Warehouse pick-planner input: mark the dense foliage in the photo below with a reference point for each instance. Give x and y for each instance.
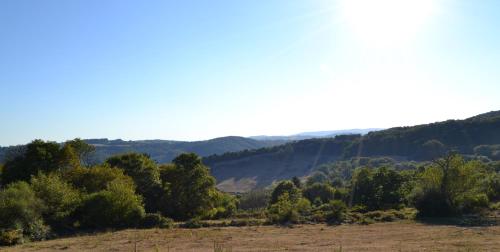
(50, 189)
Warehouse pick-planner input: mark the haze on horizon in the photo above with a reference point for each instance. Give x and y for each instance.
(194, 70)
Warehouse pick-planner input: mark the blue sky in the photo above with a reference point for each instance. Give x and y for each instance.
(190, 70)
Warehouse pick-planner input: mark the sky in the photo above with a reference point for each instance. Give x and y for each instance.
(194, 70)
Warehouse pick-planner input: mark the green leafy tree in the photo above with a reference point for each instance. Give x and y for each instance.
(38, 156)
(319, 193)
(283, 210)
(83, 151)
(60, 199)
(288, 187)
(335, 211)
(377, 189)
(118, 206)
(97, 178)
(20, 209)
(255, 199)
(189, 188)
(451, 186)
(145, 174)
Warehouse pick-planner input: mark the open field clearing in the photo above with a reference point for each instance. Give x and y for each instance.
(376, 237)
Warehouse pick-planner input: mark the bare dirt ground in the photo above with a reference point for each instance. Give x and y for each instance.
(396, 236)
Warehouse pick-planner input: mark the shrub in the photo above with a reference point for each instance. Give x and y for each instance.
(323, 192)
(189, 188)
(145, 173)
(60, 198)
(471, 203)
(433, 203)
(194, 223)
(287, 187)
(224, 205)
(11, 237)
(37, 230)
(20, 209)
(283, 211)
(335, 212)
(156, 220)
(96, 178)
(117, 206)
(452, 186)
(255, 199)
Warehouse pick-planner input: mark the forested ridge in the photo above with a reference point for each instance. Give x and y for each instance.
(163, 151)
(439, 170)
(49, 190)
(479, 135)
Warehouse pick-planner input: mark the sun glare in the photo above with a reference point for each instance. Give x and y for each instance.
(386, 23)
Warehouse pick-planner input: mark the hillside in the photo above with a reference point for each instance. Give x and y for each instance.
(163, 151)
(316, 134)
(247, 169)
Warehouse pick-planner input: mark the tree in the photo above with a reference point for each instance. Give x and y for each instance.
(431, 149)
(377, 189)
(296, 181)
(20, 209)
(451, 186)
(145, 174)
(322, 192)
(82, 150)
(118, 206)
(283, 187)
(255, 199)
(39, 156)
(188, 186)
(335, 211)
(97, 178)
(60, 199)
(283, 210)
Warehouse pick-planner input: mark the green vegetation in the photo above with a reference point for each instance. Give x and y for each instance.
(49, 189)
(474, 137)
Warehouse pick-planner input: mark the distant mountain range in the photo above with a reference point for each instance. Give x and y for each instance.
(163, 151)
(241, 171)
(316, 134)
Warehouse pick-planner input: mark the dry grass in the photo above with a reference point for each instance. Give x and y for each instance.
(377, 237)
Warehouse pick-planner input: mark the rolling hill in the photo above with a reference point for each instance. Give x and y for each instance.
(163, 151)
(244, 170)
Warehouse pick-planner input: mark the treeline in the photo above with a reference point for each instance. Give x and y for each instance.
(425, 142)
(422, 142)
(346, 191)
(49, 189)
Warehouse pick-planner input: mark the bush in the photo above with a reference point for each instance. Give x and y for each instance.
(20, 209)
(117, 206)
(37, 230)
(194, 223)
(156, 220)
(287, 187)
(335, 212)
(256, 199)
(224, 205)
(97, 178)
(11, 237)
(472, 203)
(283, 211)
(60, 198)
(432, 203)
(323, 192)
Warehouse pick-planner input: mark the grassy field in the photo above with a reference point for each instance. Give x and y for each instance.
(395, 236)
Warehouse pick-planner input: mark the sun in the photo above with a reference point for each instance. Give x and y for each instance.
(386, 23)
